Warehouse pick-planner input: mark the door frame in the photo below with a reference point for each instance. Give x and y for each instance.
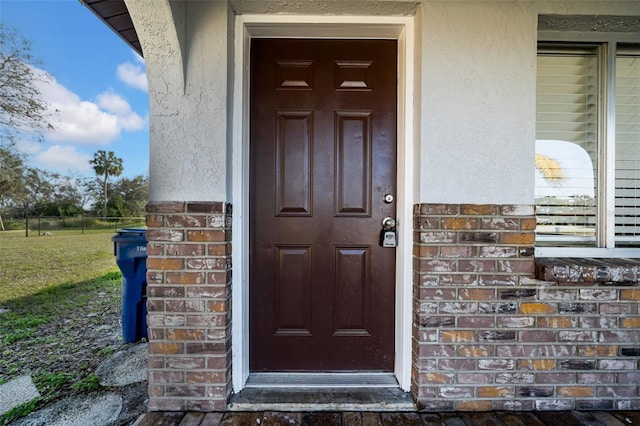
(401, 29)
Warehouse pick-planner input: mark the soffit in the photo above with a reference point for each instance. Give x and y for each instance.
(115, 15)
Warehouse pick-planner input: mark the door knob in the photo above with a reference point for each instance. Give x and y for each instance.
(388, 223)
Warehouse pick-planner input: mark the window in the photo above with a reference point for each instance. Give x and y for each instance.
(627, 160)
(588, 145)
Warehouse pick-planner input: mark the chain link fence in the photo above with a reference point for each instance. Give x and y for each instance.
(54, 225)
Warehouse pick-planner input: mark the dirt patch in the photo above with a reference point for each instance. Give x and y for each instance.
(71, 333)
(75, 342)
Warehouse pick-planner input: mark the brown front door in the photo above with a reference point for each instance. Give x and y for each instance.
(323, 156)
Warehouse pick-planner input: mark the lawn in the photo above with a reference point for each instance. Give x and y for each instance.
(30, 265)
(59, 312)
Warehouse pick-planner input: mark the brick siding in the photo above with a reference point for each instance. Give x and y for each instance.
(188, 299)
(489, 336)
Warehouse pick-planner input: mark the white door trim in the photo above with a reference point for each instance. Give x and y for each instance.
(340, 27)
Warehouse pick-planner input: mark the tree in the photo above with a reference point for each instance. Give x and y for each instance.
(22, 110)
(106, 164)
(23, 190)
(69, 197)
(129, 197)
(21, 107)
(40, 191)
(12, 166)
(27, 191)
(11, 183)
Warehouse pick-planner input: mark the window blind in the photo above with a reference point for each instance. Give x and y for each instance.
(566, 151)
(627, 191)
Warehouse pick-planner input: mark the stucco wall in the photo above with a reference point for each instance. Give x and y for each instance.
(185, 47)
(478, 102)
(478, 96)
(476, 99)
(473, 213)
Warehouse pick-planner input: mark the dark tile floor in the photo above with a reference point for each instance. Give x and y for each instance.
(496, 418)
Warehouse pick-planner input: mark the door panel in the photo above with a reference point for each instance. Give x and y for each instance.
(352, 291)
(323, 155)
(294, 157)
(353, 163)
(293, 279)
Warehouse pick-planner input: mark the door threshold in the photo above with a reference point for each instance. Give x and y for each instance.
(322, 380)
(322, 399)
(344, 391)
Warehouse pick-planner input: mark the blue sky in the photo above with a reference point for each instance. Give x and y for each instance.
(97, 86)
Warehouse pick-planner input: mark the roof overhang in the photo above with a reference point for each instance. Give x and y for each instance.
(115, 15)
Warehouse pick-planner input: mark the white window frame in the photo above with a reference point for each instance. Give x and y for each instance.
(607, 43)
(402, 29)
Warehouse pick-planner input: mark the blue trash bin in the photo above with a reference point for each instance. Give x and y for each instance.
(130, 250)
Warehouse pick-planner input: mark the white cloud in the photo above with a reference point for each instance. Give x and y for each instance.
(28, 147)
(133, 75)
(131, 122)
(83, 122)
(63, 159)
(114, 103)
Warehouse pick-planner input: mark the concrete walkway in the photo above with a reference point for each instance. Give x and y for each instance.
(121, 400)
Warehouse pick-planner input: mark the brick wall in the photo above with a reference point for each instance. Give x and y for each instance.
(488, 335)
(189, 296)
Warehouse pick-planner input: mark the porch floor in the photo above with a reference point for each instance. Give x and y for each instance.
(496, 418)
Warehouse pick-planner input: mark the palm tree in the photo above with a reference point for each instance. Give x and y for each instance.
(550, 169)
(106, 164)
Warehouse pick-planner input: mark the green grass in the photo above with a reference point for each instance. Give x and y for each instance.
(87, 384)
(18, 327)
(49, 385)
(59, 292)
(30, 265)
(49, 335)
(20, 411)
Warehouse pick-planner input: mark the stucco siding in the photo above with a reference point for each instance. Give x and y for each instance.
(185, 48)
(476, 326)
(476, 127)
(478, 102)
